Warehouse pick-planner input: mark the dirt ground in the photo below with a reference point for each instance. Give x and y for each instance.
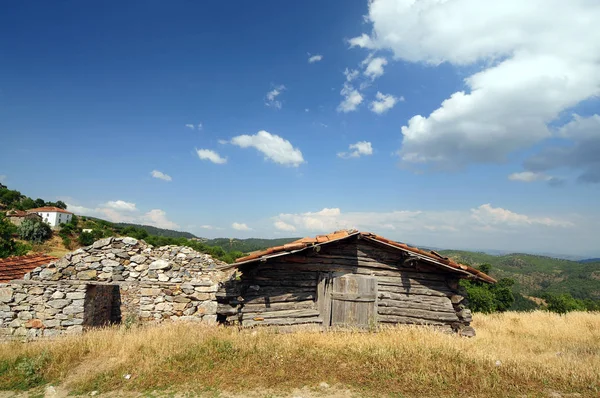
(322, 391)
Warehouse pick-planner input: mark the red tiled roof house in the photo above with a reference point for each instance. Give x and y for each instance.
(53, 216)
(348, 278)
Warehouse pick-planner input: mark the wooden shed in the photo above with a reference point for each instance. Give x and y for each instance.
(348, 279)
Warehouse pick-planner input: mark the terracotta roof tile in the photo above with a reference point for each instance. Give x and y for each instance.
(337, 235)
(48, 209)
(16, 267)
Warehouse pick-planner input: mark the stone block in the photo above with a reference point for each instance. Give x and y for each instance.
(51, 323)
(101, 243)
(181, 299)
(130, 241)
(58, 295)
(18, 297)
(6, 294)
(163, 278)
(86, 275)
(70, 310)
(34, 323)
(138, 259)
(36, 290)
(109, 263)
(51, 332)
(160, 264)
(24, 315)
(149, 291)
(76, 295)
(61, 303)
(75, 329)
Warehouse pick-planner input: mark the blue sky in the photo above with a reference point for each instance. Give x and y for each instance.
(309, 116)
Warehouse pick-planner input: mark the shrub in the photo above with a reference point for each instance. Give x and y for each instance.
(488, 298)
(86, 239)
(34, 231)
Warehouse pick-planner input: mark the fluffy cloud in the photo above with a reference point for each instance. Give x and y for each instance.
(272, 146)
(158, 218)
(271, 98)
(207, 154)
(384, 103)
(352, 99)
(582, 154)
(314, 58)
(283, 226)
(361, 148)
(240, 226)
(374, 67)
(160, 175)
(529, 70)
(2, 178)
(351, 74)
(120, 205)
(482, 227)
(488, 215)
(122, 211)
(190, 126)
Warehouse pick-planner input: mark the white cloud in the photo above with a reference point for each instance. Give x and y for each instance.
(352, 99)
(223, 142)
(2, 178)
(207, 154)
(272, 146)
(206, 226)
(120, 205)
(194, 127)
(160, 175)
(529, 176)
(351, 74)
(488, 215)
(384, 103)
(158, 218)
(314, 58)
(361, 148)
(240, 226)
(483, 227)
(532, 63)
(271, 98)
(306, 110)
(374, 68)
(121, 211)
(282, 226)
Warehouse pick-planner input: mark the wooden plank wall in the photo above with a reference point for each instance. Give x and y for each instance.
(283, 291)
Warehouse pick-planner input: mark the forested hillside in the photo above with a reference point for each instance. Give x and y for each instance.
(536, 275)
(247, 245)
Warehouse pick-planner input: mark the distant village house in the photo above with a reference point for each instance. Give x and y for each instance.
(53, 216)
(17, 216)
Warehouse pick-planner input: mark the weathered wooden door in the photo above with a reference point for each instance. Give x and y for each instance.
(349, 300)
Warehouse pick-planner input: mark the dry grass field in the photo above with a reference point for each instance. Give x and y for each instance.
(514, 354)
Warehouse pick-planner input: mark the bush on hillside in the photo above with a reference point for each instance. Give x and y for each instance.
(563, 303)
(34, 231)
(486, 297)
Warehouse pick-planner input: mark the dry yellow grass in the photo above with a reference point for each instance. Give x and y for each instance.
(539, 354)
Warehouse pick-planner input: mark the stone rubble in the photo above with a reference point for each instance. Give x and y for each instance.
(154, 284)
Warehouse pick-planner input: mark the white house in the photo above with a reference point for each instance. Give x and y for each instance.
(53, 216)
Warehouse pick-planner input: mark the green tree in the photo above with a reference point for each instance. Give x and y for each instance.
(61, 205)
(134, 232)
(8, 246)
(27, 204)
(34, 231)
(86, 239)
(563, 303)
(39, 202)
(485, 297)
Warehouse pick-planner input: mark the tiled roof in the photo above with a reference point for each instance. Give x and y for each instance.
(48, 209)
(300, 244)
(16, 267)
(16, 213)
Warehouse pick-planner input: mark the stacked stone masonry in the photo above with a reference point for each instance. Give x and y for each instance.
(114, 280)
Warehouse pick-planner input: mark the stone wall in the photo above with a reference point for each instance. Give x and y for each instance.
(29, 310)
(114, 280)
